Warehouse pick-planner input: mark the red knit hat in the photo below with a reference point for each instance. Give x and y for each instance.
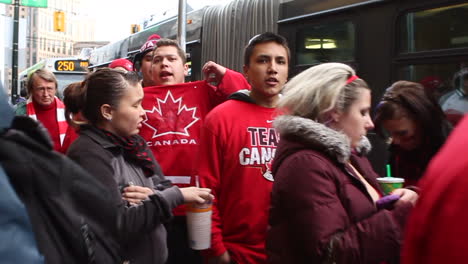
(124, 63)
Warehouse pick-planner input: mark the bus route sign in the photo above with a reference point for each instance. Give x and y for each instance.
(71, 65)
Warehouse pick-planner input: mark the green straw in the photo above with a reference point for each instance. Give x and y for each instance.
(389, 171)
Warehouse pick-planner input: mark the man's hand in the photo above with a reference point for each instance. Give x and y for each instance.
(213, 72)
(196, 195)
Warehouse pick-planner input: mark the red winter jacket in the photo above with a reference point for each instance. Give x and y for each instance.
(321, 211)
(437, 229)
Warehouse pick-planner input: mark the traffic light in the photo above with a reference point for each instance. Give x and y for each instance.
(134, 28)
(59, 21)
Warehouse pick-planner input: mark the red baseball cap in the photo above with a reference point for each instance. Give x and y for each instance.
(124, 63)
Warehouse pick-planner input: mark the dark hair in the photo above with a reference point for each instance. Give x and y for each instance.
(72, 101)
(410, 99)
(169, 42)
(43, 74)
(263, 38)
(104, 86)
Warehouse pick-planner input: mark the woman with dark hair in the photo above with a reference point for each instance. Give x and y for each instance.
(415, 125)
(73, 104)
(72, 114)
(110, 148)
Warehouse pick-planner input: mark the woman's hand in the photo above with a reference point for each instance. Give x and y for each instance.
(136, 194)
(196, 195)
(406, 195)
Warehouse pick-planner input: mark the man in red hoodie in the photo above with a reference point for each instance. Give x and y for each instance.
(237, 147)
(174, 113)
(43, 105)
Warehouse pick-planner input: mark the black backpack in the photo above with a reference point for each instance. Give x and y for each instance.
(72, 215)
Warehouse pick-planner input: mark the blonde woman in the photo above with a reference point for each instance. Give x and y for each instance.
(325, 190)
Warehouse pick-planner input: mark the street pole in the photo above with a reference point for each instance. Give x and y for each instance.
(14, 56)
(182, 18)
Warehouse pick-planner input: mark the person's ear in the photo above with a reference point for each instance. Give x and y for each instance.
(335, 116)
(106, 112)
(245, 68)
(186, 68)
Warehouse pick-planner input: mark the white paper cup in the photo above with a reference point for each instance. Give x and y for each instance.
(199, 225)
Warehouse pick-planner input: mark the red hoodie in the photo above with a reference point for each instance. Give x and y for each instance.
(237, 147)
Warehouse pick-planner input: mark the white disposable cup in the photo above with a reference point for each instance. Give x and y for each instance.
(199, 225)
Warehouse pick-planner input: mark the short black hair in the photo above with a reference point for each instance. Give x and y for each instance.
(263, 38)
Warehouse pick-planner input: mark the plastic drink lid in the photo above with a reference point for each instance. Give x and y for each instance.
(390, 180)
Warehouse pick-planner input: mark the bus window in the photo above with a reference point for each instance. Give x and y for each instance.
(447, 82)
(434, 29)
(63, 80)
(437, 78)
(326, 43)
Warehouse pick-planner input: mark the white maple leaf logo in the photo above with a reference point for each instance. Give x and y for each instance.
(170, 116)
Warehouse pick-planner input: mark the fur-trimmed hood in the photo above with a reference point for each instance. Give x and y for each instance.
(318, 136)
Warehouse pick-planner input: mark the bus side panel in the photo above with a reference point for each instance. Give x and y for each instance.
(371, 59)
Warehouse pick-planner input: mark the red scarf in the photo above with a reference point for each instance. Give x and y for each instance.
(135, 149)
(60, 110)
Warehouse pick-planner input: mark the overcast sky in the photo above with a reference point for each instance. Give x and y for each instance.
(114, 17)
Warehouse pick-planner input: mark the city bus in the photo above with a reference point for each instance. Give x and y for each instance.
(66, 70)
(383, 40)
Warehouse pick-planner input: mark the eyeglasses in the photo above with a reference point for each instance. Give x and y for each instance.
(43, 89)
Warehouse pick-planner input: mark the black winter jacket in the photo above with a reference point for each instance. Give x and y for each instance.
(140, 227)
(69, 209)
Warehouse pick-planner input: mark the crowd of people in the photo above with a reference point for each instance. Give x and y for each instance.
(283, 162)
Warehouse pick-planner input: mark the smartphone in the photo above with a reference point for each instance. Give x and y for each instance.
(387, 201)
